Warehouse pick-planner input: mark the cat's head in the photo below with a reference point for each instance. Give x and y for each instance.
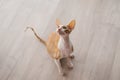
(65, 30)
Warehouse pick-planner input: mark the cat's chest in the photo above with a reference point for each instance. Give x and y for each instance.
(65, 47)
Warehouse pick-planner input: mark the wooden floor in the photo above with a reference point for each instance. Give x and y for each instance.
(96, 39)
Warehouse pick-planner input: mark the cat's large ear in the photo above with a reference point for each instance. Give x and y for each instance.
(57, 22)
(71, 25)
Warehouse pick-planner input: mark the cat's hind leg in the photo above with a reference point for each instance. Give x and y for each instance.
(72, 56)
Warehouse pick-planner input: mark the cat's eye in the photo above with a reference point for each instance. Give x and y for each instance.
(64, 27)
(67, 31)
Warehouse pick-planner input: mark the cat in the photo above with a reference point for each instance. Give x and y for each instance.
(59, 45)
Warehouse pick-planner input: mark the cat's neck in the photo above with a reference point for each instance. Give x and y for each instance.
(65, 39)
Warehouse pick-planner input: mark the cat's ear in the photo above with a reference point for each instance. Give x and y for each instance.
(71, 25)
(57, 22)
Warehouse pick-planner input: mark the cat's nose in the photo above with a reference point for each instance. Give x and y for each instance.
(58, 29)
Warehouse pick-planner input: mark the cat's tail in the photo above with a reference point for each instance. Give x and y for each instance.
(40, 39)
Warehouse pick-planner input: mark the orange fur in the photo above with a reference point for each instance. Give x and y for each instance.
(51, 44)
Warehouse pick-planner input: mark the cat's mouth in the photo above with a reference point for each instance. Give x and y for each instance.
(61, 33)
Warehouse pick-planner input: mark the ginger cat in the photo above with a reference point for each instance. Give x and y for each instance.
(59, 45)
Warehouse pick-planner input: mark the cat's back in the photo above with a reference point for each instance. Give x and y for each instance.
(52, 45)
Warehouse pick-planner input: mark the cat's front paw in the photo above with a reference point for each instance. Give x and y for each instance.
(70, 67)
(72, 56)
(63, 73)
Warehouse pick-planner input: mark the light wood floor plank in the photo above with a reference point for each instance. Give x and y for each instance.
(115, 73)
(96, 39)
